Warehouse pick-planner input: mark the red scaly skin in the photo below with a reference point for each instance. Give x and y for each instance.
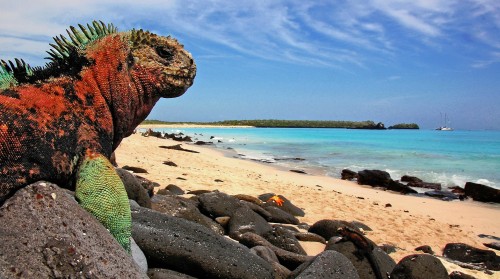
(46, 128)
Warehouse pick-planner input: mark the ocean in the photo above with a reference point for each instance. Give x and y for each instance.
(451, 158)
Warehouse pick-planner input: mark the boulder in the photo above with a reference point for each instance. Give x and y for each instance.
(411, 179)
(288, 259)
(483, 193)
(467, 254)
(135, 190)
(147, 184)
(184, 246)
(46, 234)
(460, 275)
(400, 188)
(443, 195)
(374, 178)
(174, 189)
(361, 263)
(327, 265)
(280, 216)
(286, 206)
(347, 174)
(160, 273)
(284, 239)
(280, 272)
(420, 266)
(308, 236)
(217, 204)
(329, 228)
(426, 185)
(246, 220)
(186, 209)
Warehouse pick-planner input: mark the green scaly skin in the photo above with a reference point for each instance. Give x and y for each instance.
(101, 192)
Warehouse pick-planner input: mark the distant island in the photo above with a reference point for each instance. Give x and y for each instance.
(273, 123)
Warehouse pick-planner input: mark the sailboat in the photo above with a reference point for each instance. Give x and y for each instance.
(444, 127)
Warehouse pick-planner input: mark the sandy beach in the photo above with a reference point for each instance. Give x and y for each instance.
(408, 223)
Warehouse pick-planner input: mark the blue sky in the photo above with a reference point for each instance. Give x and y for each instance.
(390, 61)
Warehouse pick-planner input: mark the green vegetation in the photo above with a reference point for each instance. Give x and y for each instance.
(273, 123)
(405, 126)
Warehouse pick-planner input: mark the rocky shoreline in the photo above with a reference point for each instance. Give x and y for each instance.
(207, 234)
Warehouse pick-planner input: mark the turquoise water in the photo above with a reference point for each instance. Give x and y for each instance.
(450, 158)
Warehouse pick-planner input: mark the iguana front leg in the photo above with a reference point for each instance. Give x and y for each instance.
(101, 192)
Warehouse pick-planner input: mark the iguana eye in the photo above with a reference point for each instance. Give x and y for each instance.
(164, 52)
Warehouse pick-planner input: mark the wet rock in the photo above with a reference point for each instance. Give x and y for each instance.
(200, 142)
(187, 247)
(328, 265)
(374, 178)
(426, 185)
(457, 190)
(400, 188)
(411, 179)
(244, 220)
(284, 239)
(280, 216)
(185, 209)
(443, 195)
(421, 266)
(329, 228)
(288, 259)
(135, 191)
(348, 174)
(467, 254)
(46, 234)
(160, 273)
(483, 193)
(361, 263)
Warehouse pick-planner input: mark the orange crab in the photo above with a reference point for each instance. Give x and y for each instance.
(279, 201)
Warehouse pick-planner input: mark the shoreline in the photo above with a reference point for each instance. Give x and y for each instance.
(409, 222)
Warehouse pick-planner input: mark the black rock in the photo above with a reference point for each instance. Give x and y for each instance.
(467, 254)
(217, 204)
(400, 187)
(411, 179)
(287, 205)
(374, 178)
(178, 147)
(135, 169)
(348, 174)
(174, 189)
(327, 265)
(420, 266)
(288, 259)
(443, 195)
(360, 225)
(135, 191)
(299, 171)
(329, 228)
(280, 272)
(426, 249)
(460, 275)
(362, 264)
(493, 245)
(187, 247)
(280, 216)
(147, 184)
(427, 185)
(160, 273)
(258, 209)
(170, 163)
(185, 209)
(308, 236)
(46, 234)
(284, 239)
(483, 193)
(243, 220)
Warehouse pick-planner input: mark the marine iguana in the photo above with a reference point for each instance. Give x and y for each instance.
(365, 248)
(61, 122)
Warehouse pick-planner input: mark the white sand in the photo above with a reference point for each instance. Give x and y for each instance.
(409, 223)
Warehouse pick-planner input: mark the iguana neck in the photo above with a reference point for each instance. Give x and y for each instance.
(127, 98)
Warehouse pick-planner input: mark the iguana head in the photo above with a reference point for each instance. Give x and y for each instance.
(163, 58)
